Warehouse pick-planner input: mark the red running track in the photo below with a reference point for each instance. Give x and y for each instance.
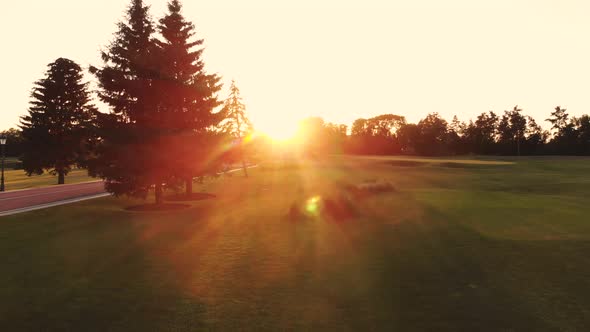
(29, 198)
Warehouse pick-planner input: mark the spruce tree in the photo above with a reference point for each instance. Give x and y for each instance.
(236, 123)
(187, 96)
(57, 131)
(131, 155)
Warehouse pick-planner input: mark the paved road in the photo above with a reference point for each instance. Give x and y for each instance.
(17, 201)
(29, 199)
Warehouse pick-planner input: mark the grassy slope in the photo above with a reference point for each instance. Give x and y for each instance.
(496, 247)
(18, 179)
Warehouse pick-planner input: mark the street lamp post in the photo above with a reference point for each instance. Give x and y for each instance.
(3, 143)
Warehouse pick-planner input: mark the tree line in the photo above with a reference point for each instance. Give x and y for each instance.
(511, 133)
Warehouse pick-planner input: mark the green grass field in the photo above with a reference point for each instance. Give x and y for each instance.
(457, 246)
(18, 179)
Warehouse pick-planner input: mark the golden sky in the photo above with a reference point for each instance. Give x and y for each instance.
(340, 60)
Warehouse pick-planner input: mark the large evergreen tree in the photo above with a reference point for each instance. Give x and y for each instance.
(57, 131)
(131, 157)
(187, 95)
(237, 123)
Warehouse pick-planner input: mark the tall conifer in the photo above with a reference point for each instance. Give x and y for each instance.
(236, 123)
(187, 95)
(131, 155)
(57, 132)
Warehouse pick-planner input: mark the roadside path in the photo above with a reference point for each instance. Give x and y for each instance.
(18, 201)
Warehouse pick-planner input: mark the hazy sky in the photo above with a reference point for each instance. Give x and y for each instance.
(339, 59)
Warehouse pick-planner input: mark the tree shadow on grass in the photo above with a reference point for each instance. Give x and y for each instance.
(192, 197)
(98, 276)
(157, 207)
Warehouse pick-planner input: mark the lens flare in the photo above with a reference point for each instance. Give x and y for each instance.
(250, 137)
(312, 206)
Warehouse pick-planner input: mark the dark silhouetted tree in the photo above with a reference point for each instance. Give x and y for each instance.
(511, 130)
(377, 135)
(132, 156)
(535, 137)
(186, 95)
(14, 142)
(57, 131)
(236, 122)
(456, 136)
(582, 124)
(558, 119)
(480, 136)
(432, 135)
(407, 136)
(565, 135)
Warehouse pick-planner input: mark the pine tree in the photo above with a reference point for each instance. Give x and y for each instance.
(186, 94)
(131, 157)
(237, 124)
(57, 131)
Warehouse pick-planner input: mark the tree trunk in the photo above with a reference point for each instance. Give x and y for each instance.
(189, 186)
(61, 177)
(158, 193)
(245, 168)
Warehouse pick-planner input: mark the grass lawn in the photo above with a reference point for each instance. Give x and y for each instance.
(18, 179)
(12, 163)
(458, 246)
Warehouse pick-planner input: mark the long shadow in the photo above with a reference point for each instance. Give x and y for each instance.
(97, 276)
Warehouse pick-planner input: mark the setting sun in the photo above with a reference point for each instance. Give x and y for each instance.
(279, 131)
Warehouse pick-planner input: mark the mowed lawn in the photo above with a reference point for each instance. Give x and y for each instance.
(18, 179)
(455, 247)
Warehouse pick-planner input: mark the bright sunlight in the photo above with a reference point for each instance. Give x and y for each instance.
(279, 131)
